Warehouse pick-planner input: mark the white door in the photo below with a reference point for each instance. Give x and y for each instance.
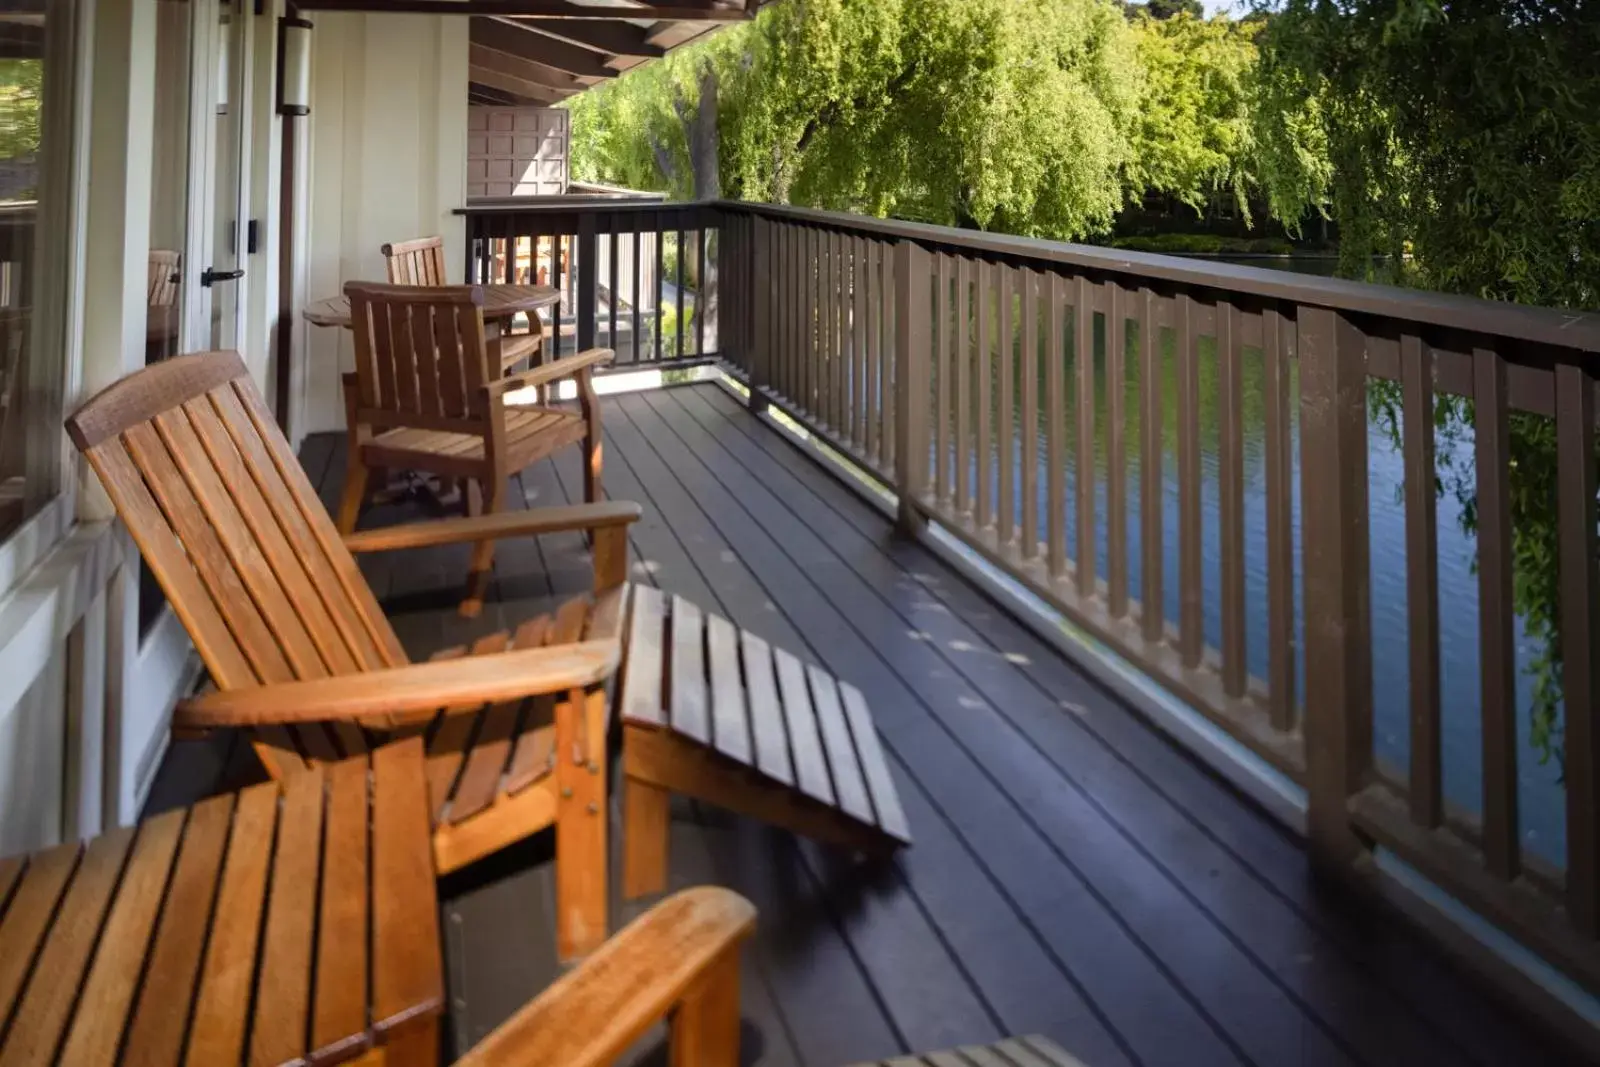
(219, 232)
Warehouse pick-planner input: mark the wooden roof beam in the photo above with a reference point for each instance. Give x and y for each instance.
(480, 57)
(506, 35)
(607, 38)
(542, 95)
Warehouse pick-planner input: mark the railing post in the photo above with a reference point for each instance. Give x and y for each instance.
(588, 267)
(1338, 621)
(757, 269)
(912, 339)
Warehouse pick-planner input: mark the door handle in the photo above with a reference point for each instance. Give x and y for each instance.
(210, 277)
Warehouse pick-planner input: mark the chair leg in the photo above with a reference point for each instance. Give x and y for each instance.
(645, 812)
(355, 493)
(581, 814)
(482, 565)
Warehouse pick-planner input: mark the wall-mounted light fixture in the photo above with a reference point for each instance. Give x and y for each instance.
(294, 66)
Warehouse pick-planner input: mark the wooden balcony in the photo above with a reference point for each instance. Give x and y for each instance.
(1074, 873)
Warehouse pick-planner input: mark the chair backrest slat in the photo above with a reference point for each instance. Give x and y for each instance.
(421, 352)
(305, 605)
(417, 262)
(232, 528)
(162, 286)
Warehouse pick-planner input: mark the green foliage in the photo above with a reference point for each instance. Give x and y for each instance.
(1194, 138)
(1463, 138)
(21, 81)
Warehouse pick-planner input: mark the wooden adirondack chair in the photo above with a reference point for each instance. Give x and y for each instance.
(425, 401)
(421, 262)
(303, 657)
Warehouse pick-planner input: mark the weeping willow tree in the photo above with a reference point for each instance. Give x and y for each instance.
(1463, 142)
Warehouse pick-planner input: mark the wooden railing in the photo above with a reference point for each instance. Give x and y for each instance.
(1232, 567)
(635, 274)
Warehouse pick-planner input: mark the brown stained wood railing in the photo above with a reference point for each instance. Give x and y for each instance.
(609, 260)
(1021, 394)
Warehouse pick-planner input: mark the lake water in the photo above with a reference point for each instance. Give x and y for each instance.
(1542, 802)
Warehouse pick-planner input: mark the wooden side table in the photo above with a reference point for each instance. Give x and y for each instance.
(273, 926)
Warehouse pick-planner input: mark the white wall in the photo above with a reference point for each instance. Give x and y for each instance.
(387, 162)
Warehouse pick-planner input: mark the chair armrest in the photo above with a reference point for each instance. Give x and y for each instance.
(496, 526)
(398, 693)
(565, 367)
(667, 960)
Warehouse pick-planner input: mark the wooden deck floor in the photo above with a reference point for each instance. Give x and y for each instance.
(1073, 875)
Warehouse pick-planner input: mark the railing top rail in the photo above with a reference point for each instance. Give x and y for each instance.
(1565, 329)
(489, 205)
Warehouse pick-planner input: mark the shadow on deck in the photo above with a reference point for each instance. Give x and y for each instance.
(1073, 874)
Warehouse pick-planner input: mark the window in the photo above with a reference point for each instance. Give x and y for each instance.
(37, 111)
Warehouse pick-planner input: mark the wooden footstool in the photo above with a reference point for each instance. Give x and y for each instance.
(283, 924)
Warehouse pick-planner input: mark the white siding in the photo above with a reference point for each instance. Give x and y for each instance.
(388, 151)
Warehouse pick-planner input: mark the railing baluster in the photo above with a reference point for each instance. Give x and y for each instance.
(1006, 409)
(1152, 488)
(842, 355)
(680, 278)
(857, 409)
(1191, 620)
(893, 385)
(658, 290)
(872, 392)
(701, 303)
(588, 282)
(913, 316)
(1116, 454)
(1055, 428)
(1580, 638)
(612, 248)
(942, 362)
(638, 287)
(963, 385)
(1083, 355)
(985, 370)
(1029, 431)
(1280, 519)
(1496, 613)
(1333, 476)
(823, 412)
(1422, 579)
(813, 335)
(1230, 486)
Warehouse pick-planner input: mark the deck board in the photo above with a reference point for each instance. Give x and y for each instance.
(1073, 875)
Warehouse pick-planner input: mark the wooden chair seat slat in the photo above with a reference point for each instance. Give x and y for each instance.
(643, 701)
(10, 872)
(874, 768)
(221, 1014)
(530, 434)
(282, 1003)
(486, 764)
(766, 713)
(408, 971)
(339, 1018)
(805, 741)
(28, 918)
(119, 962)
(687, 702)
(848, 784)
(162, 1013)
(271, 538)
(44, 1011)
(530, 757)
(315, 741)
(454, 736)
(730, 724)
(235, 923)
